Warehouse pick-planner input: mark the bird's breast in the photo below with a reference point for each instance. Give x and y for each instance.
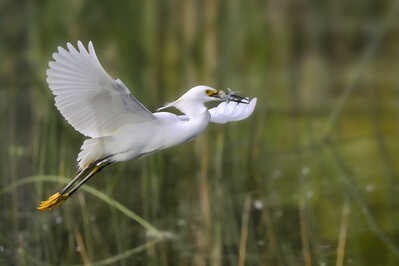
(136, 140)
(174, 130)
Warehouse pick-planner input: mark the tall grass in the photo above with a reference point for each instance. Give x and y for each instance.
(271, 190)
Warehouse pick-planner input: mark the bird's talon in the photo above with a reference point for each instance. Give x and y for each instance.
(53, 201)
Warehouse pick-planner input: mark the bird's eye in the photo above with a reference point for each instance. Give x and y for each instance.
(211, 92)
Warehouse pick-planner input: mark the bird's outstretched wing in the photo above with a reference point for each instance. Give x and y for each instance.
(231, 111)
(90, 100)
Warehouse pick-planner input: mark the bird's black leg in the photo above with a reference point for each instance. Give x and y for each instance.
(59, 197)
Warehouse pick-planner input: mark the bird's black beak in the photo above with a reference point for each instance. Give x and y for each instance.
(215, 94)
(219, 94)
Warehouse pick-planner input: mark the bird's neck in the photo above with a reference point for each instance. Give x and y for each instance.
(191, 108)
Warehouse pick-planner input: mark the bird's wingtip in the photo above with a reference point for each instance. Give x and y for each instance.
(162, 108)
(91, 49)
(167, 105)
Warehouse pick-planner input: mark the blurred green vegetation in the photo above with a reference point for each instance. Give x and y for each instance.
(310, 179)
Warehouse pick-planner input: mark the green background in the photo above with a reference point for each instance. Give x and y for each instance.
(311, 178)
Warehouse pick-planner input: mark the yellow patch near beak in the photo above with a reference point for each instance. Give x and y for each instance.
(211, 92)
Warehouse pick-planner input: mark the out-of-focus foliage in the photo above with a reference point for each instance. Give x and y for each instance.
(310, 179)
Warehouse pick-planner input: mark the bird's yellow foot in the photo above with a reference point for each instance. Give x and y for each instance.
(53, 201)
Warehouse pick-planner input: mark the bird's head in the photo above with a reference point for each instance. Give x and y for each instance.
(202, 94)
(196, 96)
(193, 101)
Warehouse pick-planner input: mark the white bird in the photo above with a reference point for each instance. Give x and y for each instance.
(119, 127)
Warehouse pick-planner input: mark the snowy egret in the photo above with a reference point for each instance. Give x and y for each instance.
(119, 127)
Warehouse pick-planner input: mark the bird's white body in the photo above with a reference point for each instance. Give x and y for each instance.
(119, 127)
(132, 141)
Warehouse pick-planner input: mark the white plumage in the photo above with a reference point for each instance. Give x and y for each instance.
(119, 127)
(231, 111)
(93, 103)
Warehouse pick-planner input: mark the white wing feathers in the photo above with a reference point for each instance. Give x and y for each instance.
(89, 99)
(232, 111)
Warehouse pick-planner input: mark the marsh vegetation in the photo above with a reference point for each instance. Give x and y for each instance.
(310, 179)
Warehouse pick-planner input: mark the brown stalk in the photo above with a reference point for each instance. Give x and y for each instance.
(82, 249)
(244, 231)
(342, 235)
(304, 235)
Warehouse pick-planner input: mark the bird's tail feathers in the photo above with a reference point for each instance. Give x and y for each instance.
(91, 150)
